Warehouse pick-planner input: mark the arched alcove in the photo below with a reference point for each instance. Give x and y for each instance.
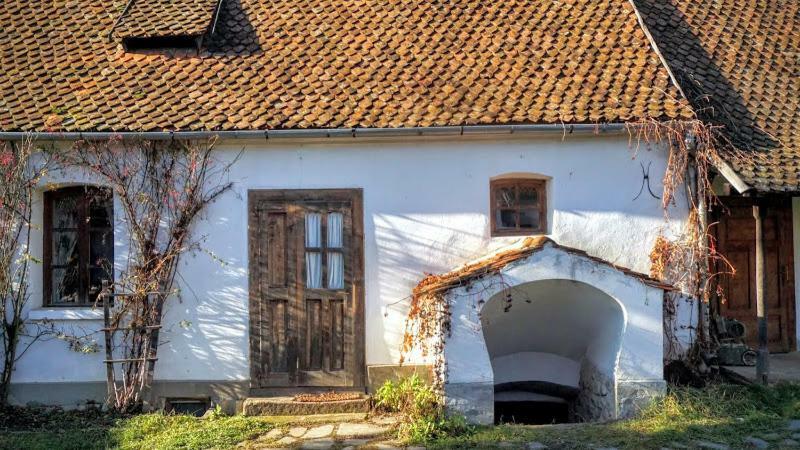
(553, 346)
(578, 329)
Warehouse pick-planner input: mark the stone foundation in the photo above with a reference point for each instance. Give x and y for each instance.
(474, 401)
(226, 394)
(596, 399)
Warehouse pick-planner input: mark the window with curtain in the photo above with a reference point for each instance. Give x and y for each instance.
(79, 244)
(324, 255)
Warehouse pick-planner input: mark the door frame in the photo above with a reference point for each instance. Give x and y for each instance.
(356, 197)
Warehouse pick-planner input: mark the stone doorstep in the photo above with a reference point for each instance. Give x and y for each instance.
(286, 406)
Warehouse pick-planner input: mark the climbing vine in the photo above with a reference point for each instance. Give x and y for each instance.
(19, 174)
(688, 261)
(162, 188)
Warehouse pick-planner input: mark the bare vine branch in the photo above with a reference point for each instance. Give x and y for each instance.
(162, 188)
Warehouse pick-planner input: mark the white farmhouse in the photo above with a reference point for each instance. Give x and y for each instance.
(377, 143)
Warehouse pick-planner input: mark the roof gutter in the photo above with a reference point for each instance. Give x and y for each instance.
(324, 133)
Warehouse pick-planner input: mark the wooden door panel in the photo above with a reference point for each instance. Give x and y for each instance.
(306, 327)
(735, 235)
(336, 316)
(313, 342)
(277, 323)
(738, 284)
(270, 296)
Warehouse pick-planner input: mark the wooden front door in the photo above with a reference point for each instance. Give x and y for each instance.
(736, 242)
(306, 288)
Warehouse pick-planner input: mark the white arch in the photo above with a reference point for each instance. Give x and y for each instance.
(469, 376)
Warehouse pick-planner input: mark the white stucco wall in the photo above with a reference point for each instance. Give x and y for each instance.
(426, 210)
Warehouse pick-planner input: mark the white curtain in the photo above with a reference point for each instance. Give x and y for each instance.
(335, 230)
(335, 270)
(313, 230)
(314, 270)
(313, 259)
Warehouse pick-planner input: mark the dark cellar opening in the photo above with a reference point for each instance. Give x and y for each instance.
(531, 412)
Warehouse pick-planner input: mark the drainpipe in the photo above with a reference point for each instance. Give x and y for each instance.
(702, 218)
(699, 199)
(762, 363)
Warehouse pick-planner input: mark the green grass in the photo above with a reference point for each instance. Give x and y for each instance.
(720, 413)
(146, 431)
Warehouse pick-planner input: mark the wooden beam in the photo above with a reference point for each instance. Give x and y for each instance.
(762, 363)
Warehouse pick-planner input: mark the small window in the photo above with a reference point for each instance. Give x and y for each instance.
(519, 207)
(78, 244)
(188, 406)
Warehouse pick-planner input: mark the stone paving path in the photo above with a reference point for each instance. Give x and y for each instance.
(373, 433)
(378, 433)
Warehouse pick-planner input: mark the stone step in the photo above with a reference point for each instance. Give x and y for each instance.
(287, 406)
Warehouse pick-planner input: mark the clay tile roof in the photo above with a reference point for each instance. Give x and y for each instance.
(491, 264)
(151, 18)
(287, 64)
(738, 62)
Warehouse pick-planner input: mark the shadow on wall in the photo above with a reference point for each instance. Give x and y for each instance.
(554, 342)
(205, 335)
(408, 249)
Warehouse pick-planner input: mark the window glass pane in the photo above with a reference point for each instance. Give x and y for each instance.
(528, 196)
(101, 247)
(65, 211)
(313, 230)
(65, 285)
(335, 230)
(65, 248)
(96, 277)
(314, 270)
(529, 218)
(506, 218)
(101, 209)
(335, 270)
(505, 197)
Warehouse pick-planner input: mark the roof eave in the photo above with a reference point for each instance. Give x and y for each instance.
(328, 133)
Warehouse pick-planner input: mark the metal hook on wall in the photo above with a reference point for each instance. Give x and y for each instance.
(646, 182)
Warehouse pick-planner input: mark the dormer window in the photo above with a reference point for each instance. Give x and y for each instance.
(135, 44)
(154, 25)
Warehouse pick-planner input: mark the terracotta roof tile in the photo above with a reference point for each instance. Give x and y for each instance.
(494, 262)
(738, 62)
(151, 18)
(329, 63)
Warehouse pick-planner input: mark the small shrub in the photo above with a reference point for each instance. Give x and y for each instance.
(420, 407)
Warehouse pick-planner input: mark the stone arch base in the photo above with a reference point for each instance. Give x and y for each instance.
(577, 327)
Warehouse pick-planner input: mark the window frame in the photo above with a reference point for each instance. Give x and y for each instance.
(83, 230)
(541, 187)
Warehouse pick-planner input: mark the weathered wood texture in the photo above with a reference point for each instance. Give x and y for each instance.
(735, 237)
(300, 335)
